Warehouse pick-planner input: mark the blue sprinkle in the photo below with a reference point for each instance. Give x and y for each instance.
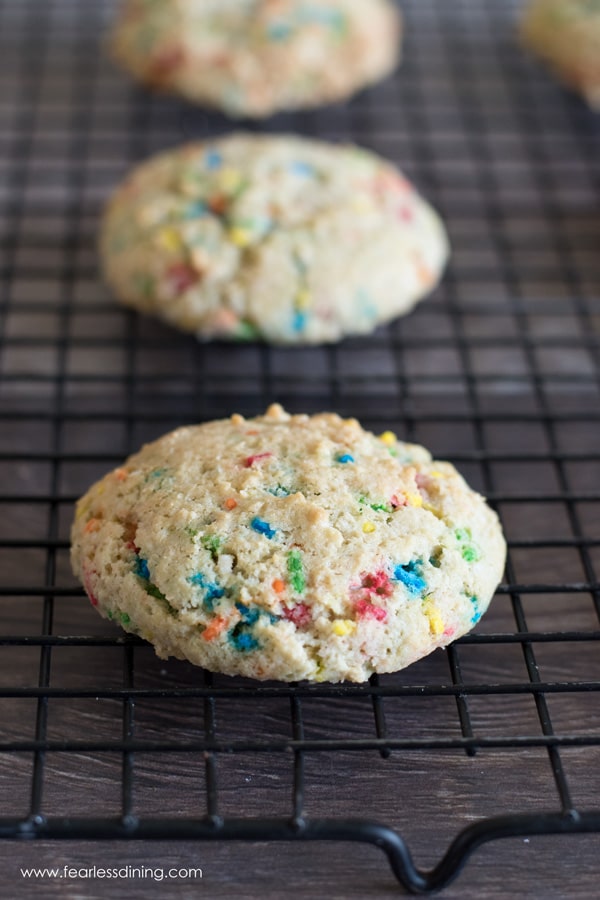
(279, 31)
(213, 159)
(345, 458)
(262, 527)
(198, 579)
(141, 568)
(212, 590)
(157, 473)
(279, 491)
(299, 321)
(243, 641)
(306, 170)
(195, 210)
(476, 611)
(410, 576)
(249, 616)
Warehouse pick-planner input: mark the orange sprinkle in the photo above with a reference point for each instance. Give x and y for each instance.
(92, 525)
(230, 503)
(278, 585)
(121, 474)
(425, 274)
(215, 628)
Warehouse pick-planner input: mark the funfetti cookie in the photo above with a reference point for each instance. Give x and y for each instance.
(290, 240)
(566, 34)
(288, 547)
(251, 58)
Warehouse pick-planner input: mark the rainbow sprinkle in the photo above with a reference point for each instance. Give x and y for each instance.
(257, 457)
(296, 571)
(367, 610)
(212, 590)
(410, 575)
(470, 551)
(141, 568)
(299, 614)
(261, 527)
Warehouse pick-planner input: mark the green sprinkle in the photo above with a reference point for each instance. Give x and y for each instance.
(144, 284)
(125, 619)
(211, 542)
(192, 532)
(246, 331)
(436, 558)
(377, 507)
(471, 554)
(154, 591)
(296, 571)
(463, 535)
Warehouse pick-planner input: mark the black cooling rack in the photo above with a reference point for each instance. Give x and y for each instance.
(498, 371)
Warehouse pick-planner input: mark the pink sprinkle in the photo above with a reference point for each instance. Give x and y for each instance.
(422, 480)
(367, 610)
(398, 501)
(250, 460)
(449, 632)
(88, 588)
(181, 277)
(377, 583)
(299, 614)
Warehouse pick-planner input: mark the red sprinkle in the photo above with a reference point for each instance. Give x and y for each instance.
(218, 204)
(250, 460)
(366, 610)
(88, 588)
(377, 583)
(168, 61)
(299, 614)
(182, 277)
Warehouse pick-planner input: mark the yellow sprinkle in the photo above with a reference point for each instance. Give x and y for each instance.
(368, 528)
(415, 500)
(361, 203)
(303, 299)
(388, 438)
(241, 237)
(229, 180)
(436, 474)
(80, 510)
(169, 239)
(436, 623)
(342, 627)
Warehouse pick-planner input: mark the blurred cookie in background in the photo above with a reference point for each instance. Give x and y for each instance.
(251, 58)
(566, 35)
(277, 238)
